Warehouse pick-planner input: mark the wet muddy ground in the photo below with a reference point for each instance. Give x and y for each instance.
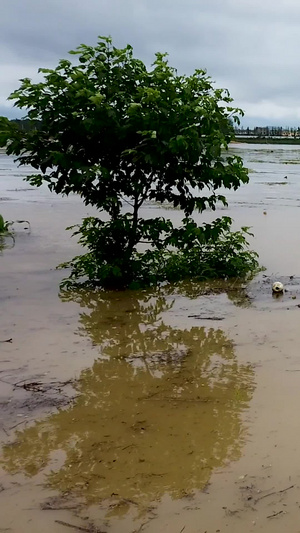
(172, 410)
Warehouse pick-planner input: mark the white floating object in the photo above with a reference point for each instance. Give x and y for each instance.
(277, 287)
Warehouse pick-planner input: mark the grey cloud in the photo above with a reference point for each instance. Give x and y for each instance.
(250, 46)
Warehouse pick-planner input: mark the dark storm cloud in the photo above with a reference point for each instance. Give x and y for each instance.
(250, 46)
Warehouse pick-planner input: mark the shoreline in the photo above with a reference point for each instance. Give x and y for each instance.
(265, 140)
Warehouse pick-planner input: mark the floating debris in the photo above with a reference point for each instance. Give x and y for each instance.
(277, 287)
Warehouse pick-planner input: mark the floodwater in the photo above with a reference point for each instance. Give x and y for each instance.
(166, 410)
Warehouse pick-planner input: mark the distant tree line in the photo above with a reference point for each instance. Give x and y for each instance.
(268, 131)
(258, 131)
(26, 124)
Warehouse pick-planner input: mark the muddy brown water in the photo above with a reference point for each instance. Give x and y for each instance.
(165, 410)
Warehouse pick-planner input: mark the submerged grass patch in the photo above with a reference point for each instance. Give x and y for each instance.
(7, 237)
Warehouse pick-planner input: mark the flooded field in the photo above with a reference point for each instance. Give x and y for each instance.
(167, 410)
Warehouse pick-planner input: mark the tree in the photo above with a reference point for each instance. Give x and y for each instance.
(116, 133)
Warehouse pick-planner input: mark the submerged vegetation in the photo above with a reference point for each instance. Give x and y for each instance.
(7, 232)
(7, 239)
(119, 135)
(4, 226)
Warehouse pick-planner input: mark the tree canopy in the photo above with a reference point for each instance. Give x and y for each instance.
(119, 134)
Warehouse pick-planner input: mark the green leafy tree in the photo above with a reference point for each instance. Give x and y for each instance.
(119, 134)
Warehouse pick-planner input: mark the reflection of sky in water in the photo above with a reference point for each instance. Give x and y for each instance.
(274, 176)
(157, 412)
(14, 188)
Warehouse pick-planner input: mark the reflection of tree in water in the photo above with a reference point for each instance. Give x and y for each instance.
(6, 241)
(235, 289)
(154, 415)
(131, 323)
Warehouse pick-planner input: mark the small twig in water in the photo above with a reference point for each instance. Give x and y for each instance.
(206, 317)
(7, 340)
(18, 424)
(288, 488)
(275, 514)
(141, 527)
(272, 493)
(79, 528)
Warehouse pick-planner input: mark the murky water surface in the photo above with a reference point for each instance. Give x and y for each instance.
(155, 414)
(173, 409)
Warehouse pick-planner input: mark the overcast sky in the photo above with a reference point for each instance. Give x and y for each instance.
(251, 47)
